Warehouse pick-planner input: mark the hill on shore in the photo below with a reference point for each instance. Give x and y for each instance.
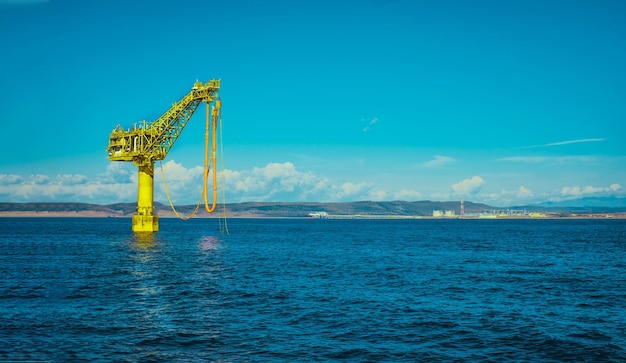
(252, 209)
(279, 209)
(394, 208)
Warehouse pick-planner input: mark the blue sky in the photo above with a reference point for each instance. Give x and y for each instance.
(501, 102)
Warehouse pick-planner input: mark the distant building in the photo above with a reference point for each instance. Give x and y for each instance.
(440, 213)
(318, 214)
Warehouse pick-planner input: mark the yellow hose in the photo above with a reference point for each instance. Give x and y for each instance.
(223, 179)
(213, 156)
(215, 113)
(169, 199)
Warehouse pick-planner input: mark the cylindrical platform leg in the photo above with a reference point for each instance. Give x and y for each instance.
(145, 220)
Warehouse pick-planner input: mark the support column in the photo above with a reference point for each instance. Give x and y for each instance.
(145, 220)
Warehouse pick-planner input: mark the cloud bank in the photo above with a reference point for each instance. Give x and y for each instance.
(116, 184)
(577, 191)
(274, 182)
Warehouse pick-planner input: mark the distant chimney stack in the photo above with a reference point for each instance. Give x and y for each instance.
(462, 207)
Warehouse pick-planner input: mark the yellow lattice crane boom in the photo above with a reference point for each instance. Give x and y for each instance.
(146, 143)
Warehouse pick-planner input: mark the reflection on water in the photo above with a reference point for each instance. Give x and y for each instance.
(144, 240)
(209, 243)
(149, 301)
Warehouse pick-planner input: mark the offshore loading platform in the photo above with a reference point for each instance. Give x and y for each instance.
(146, 143)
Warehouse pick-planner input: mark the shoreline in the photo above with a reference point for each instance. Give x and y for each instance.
(94, 214)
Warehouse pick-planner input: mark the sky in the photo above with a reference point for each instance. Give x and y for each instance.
(499, 102)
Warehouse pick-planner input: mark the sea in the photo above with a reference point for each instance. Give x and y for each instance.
(313, 290)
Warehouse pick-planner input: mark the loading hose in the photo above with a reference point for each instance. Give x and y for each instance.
(215, 112)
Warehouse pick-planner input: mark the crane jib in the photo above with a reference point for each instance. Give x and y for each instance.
(148, 142)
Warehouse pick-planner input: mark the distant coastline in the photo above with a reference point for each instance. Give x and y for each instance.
(343, 210)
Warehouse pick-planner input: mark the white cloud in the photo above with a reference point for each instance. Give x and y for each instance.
(370, 124)
(277, 182)
(566, 142)
(175, 172)
(7, 179)
(115, 185)
(524, 192)
(184, 185)
(548, 159)
(178, 176)
(439, 161)
(353, 188)
(377, 195)
(468, 186)
(525, 196)
(573, 142)
(118, 173)
(39, 179)
(65, 187)
(507, 197)
(525, 159)
(71, 179)
(578, 191)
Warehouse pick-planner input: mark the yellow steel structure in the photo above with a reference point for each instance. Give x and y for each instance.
(146, 143)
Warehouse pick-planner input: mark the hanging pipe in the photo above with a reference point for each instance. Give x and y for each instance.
(213, 156)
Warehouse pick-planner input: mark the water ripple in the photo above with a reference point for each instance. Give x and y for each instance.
(323, 290)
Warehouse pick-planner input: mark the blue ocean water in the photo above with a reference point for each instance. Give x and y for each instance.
(310, 290)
